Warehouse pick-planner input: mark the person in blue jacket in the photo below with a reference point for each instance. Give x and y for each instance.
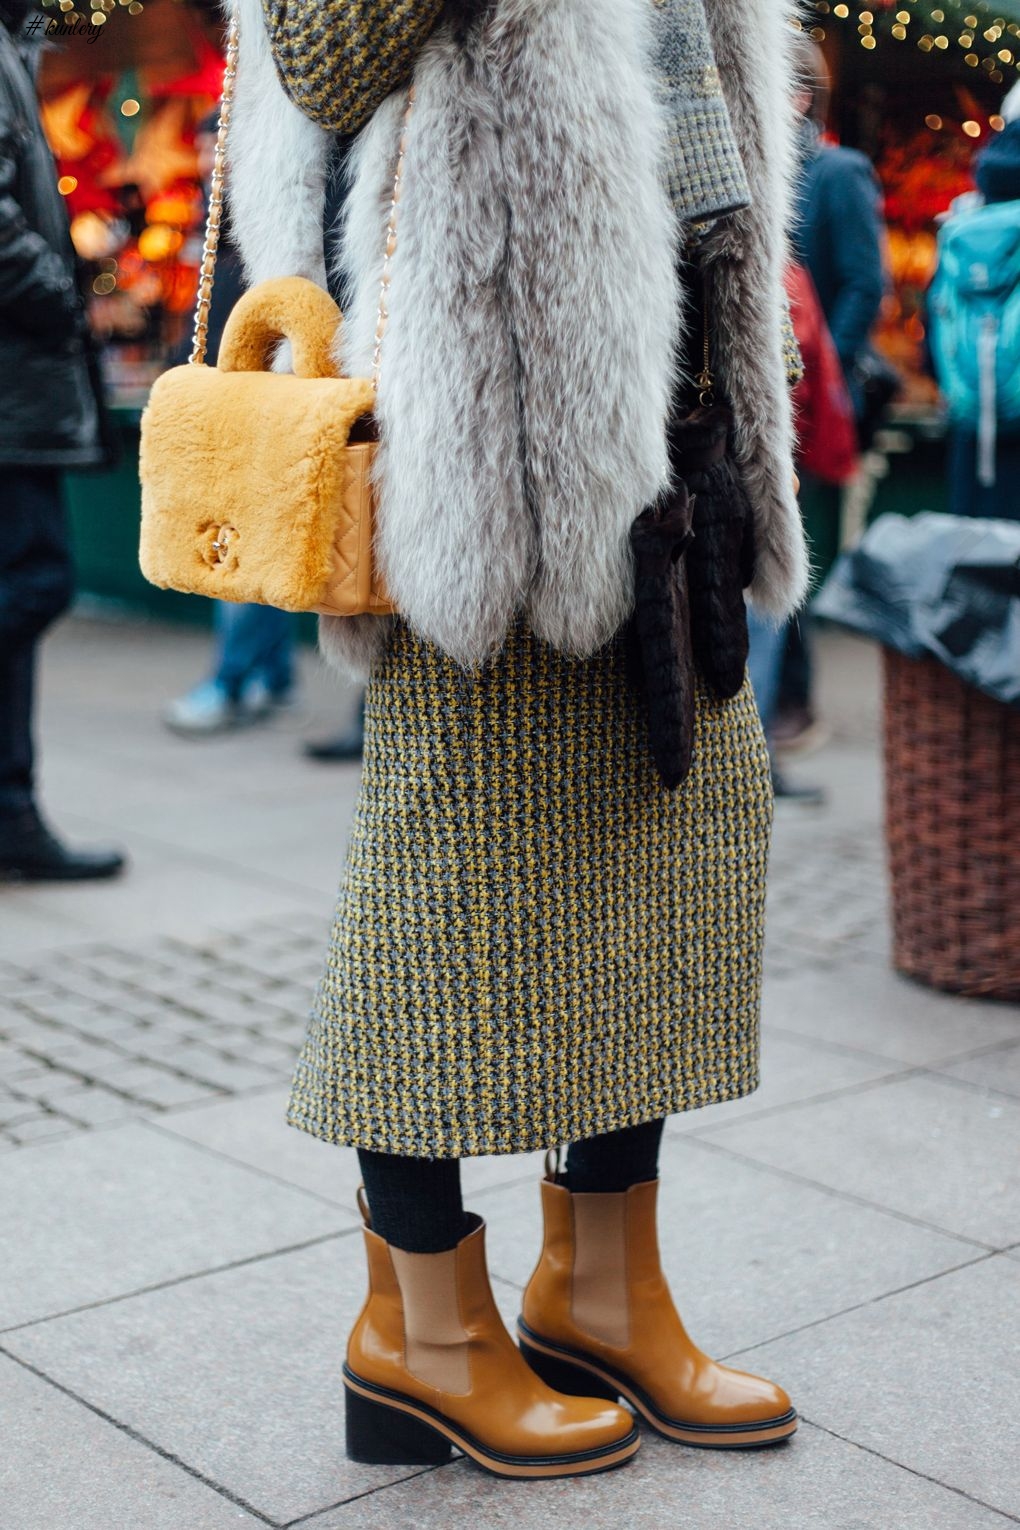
(253, 668)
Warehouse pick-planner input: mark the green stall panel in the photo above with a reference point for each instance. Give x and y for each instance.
(105, 509)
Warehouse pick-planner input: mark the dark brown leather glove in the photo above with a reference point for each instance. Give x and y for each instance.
(720, 560)
(660, 631)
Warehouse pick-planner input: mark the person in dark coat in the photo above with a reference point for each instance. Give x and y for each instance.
(50, 419)
(837, 228)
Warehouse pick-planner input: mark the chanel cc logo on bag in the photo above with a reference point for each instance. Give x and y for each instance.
(220, 544)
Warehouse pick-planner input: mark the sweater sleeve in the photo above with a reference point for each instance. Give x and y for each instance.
(338, 60)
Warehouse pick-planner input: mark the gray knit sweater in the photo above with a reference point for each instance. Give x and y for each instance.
(338, 60)
(705, 170)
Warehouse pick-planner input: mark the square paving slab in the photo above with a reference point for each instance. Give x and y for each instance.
(998, 1070)
(793, 1068)
(927, 1378)
(64, 1468)
(867, 1006)
(815, 1483)
(98, 1215)
(238, 1375)
(944, 1152)
(163, 889)
(253, 1130)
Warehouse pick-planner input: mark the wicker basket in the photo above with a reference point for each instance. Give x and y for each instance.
(952, 786)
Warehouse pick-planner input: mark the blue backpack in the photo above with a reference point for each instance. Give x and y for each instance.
(974, 312)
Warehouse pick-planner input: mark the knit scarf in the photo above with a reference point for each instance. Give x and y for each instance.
(338, 61)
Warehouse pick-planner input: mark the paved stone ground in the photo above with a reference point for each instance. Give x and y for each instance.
(178, 1269)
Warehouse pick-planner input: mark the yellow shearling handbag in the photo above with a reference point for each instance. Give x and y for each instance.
(257, 485)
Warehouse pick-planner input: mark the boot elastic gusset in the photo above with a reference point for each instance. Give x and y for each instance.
(430, 1365)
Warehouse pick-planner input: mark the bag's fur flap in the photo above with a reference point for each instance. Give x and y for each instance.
(251, 461)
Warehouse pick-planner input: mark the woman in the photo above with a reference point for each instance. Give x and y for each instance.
(536, 942)
(826, 455)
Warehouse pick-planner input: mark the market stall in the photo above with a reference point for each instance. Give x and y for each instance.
(917, 86)
(124, 87)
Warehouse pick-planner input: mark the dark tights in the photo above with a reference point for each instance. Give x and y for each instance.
(416, 1202)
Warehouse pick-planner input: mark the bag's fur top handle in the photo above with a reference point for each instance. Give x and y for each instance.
(289, 308)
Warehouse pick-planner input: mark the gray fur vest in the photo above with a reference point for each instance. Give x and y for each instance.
(534, 312)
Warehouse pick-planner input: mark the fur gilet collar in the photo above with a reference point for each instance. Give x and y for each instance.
(527, 365)
(529, 357)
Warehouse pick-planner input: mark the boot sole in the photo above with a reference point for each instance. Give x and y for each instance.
(385, 1428)
(19, 874)
(569, 1371)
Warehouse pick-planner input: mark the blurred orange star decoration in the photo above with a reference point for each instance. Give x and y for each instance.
(85, 144)
(164, 149)
(135, 212)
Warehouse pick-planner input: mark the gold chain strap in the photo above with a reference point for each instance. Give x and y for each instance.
(383, 315)
(207, 270)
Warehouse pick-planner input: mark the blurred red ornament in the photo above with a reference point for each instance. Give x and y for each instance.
(206, 79)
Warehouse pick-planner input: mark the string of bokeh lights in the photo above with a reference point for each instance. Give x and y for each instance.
(99, 13)
(988, 42)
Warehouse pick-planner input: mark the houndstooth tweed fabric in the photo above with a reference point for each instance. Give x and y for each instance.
(535, 942)
(339, 59)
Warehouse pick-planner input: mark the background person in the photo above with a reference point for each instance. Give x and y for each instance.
(342, 747)
(826, 454)
(51, 418)
(983, 483)
(837, 235)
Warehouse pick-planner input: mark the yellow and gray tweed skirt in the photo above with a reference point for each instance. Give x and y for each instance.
(535, 942)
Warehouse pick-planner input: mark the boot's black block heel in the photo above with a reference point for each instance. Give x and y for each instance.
(572, 1380)
(378, 1435)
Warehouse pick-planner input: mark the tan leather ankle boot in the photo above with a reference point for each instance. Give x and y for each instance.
(430, 1364)
(598, 1314)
